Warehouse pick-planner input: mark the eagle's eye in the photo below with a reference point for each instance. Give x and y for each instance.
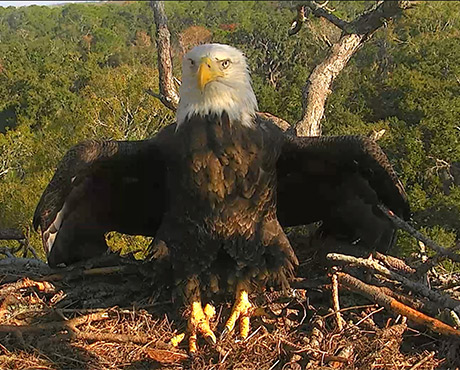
(192, 62)
(225, 63)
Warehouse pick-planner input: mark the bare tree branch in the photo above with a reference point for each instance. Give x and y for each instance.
(376, 295)
(168, 93)
(355, 33)
(319, 84)
(57, 325)
(443, 299)
(320, 11)
(11, 234)
(398, 222)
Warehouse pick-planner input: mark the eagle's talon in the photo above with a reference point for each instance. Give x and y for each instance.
(209, 311)
(199, 324)
(241, 311)
(224, 333)
(177, 339)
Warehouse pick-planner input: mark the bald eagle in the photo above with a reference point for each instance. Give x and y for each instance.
(215, 190)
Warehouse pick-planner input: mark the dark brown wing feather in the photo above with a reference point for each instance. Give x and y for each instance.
(339, 180)
(101, 186)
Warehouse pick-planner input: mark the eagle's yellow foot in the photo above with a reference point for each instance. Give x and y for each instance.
(242, 310)
(199, 324)
(177, 339)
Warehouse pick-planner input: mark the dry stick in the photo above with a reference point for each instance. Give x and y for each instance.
(317, 335)
(350, 309)
(394, 263)
(131, 309)
(342, 358)
(30, 249)
(320, 11)
(455, 318)
(90, 272)
(426, 306)
(24, 283)
(368, 316)
(281, 123)
(11, 234)
(443, 299)
(21, 264)
(7, 252)
(335, 301)
(423, 360)
(375, 294)
(69, 324)
(111, 337)
(419, 236)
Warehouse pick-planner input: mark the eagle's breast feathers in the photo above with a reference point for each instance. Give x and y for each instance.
(223, 180)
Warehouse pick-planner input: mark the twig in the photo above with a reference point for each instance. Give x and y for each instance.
(24, 283)
(320, 11)
(455, 318)
(349, 309)
(31, 250)
(419, 236)
(443, 299)
(375, 294)
(343, 357)
(334, 359)
(422, 361)
(274, 365)
(11, 234)
(317, 335)
(335, 301)
(281, 123)
(90, 272)
(394, 263)
(6, 252)
(112, 337)
(369, 315)
(425, 306)
(69, 324)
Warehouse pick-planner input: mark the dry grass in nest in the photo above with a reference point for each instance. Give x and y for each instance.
(296, 332)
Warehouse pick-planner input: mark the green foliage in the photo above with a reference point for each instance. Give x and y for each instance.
(81, 70)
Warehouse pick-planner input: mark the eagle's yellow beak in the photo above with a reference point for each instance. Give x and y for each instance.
(207, 71)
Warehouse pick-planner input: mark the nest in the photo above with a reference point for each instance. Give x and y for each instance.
(116, 313)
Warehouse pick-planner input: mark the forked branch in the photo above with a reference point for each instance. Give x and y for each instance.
(319, 85)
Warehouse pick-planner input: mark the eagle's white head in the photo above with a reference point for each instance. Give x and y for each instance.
(215, 78)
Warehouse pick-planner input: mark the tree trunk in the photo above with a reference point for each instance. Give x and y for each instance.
(319, 85)
(168, 93)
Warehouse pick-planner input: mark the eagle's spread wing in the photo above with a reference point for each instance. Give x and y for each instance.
(340, 181)
(101, 186)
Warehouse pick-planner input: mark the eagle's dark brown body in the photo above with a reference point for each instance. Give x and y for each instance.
(221, 221)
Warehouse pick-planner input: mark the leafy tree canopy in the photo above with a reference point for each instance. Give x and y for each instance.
(81, 71)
